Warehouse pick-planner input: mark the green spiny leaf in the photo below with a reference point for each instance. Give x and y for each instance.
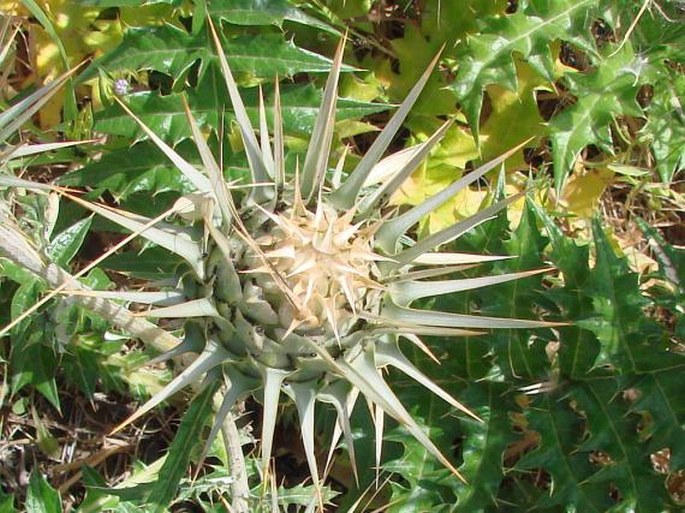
(629, 339)
(666, 125)
(612, 441)
(262, 12)
(487, 58)
(166, 117)
(63, 246)
(484, 444)
(41, 497)
(519, 355)
(166, 48)
(608, 91)
(560, 430)
(660, 397)
(172, 51)
(427, 483)
(125, 171)
(188, 436)
(578, 353)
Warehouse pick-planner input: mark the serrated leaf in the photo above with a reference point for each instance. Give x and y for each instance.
(172, 51)
(559, 430)
(262, 12)
(580, 349)
(425, 483)
(125, 171)
(620, 459)
(41, 497)
(629, 339)
(518, 354)
(63, 246)
(166, 116)
(487, 58)
(300, 105)
(176, 464)
(608, 91)
(301, 495)
(666, 125)
(167, 49)
(659, 395)
(484, 444)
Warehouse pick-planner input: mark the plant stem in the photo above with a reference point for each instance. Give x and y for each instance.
(15, 246)
(240, 490)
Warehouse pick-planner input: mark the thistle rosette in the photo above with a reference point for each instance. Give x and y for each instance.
(304, 280)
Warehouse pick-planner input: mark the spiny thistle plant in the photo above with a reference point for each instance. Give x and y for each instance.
(303, 282)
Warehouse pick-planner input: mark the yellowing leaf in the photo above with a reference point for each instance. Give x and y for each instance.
(350, 128)
(443, 166)
(147, 15)
(367, 89)
(455, 151)
(583, 190)
(13, 8)
(414, 51)
(465, 204)
(514, 117)
(79, 31)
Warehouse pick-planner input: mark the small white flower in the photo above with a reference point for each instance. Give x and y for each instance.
(121, 87)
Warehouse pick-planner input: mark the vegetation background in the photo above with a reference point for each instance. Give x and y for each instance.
(586, 417)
